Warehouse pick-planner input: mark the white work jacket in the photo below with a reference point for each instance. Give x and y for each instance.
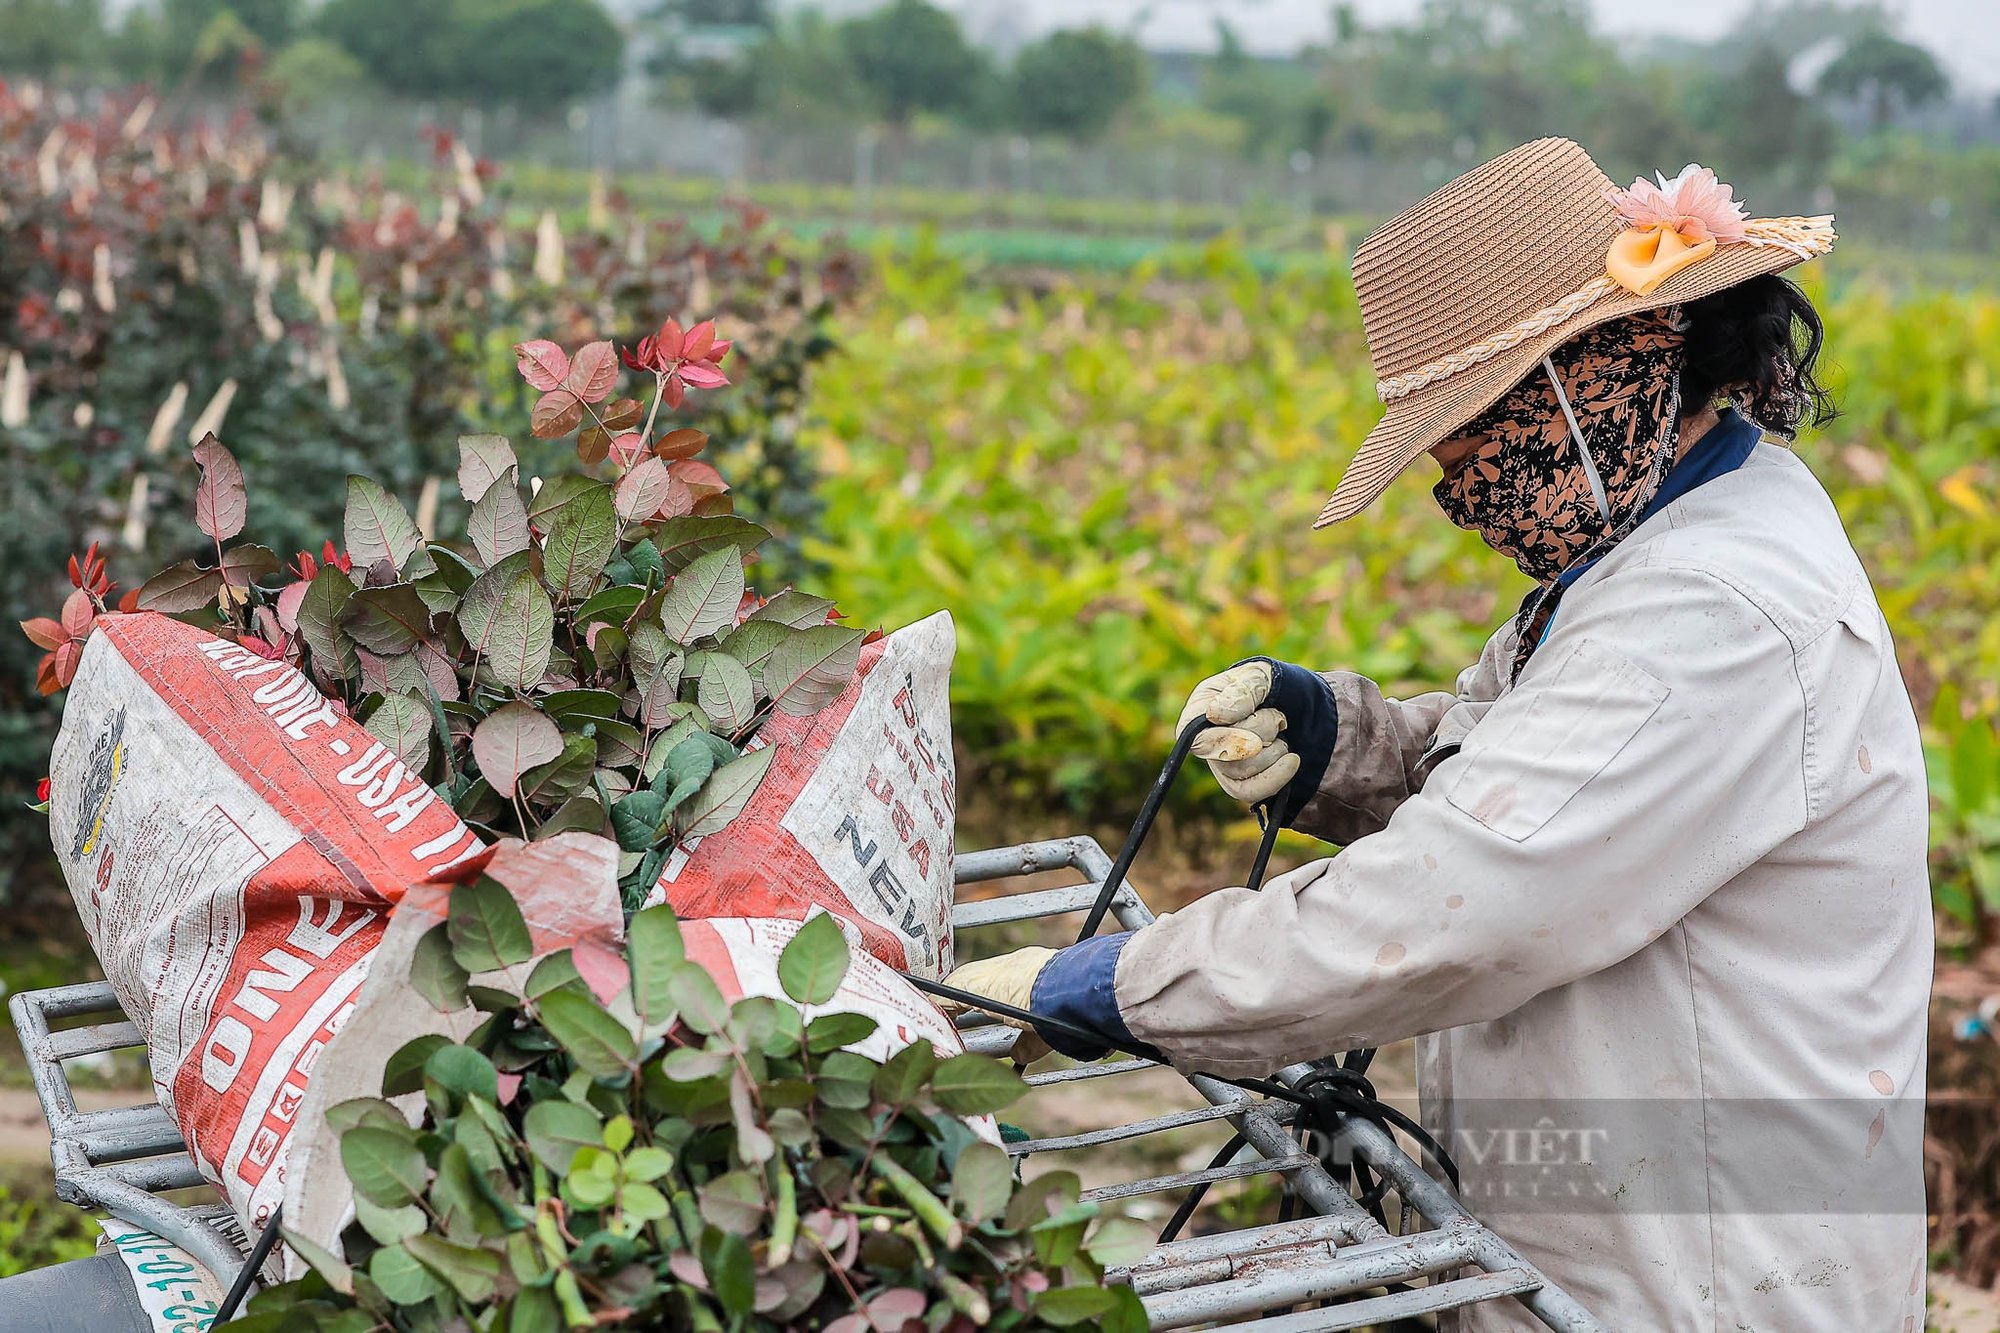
(1658, 911)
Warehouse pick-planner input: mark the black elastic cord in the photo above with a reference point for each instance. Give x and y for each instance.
(1266, 817)
(248, 1273)
(971, 1000)
(1142, 826)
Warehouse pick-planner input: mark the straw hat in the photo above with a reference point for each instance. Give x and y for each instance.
(1462, 295)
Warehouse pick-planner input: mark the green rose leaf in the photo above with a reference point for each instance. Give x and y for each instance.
(387, 620)
(385, 1165)
(598, 1043)
(556, 1129)
(377, 527)
(556, 969)
(698, 999)
(726, 692)
(723, 797)
(403, 1071)
(704, 597)
(485, 461)
(462, 1070)
(436, 973)
(402, 1279)
(976, 1085)
(830, 1032)
(557, 493)
(635, 820)
(474, 1274)
(812, 964)
(403, 723)
(509, 622)
(498, 526)
(582, 536)
(682, 541)
(732, 1272)
(1063, 1306)
(320, 616)
(1117, 1241)
(181, 588)
(794, 609)
(562, 777)
(486, 927)
(903, 1075)
(982, 1181)
(655, 950)
(810, 669)
(690, 764)
(511, 740)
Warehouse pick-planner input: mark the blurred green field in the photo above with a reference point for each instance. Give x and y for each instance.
(1112, 485)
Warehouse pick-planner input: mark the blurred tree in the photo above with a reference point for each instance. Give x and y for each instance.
(50, 36)
(316, 69)
(407, 46)
(1754, 121)
(532, 52)
(204, 38)
(1283, 106)
(535, 52)
(1887, 73)
(913, 56)
(1075, 81)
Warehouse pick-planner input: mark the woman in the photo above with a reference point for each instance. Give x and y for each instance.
(1650, 884)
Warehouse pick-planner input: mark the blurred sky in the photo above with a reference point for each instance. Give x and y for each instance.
(1965, 34)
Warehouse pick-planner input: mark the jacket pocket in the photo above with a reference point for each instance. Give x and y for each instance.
(1543, 742)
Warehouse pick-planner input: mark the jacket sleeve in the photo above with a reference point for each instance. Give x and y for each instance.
(1384, 747)
(1651, 750)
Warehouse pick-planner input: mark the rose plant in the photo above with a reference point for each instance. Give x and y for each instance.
(618, 1146)
(615, 1144)
(594, 661)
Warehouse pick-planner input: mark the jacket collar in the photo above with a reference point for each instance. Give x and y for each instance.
(1727, 446)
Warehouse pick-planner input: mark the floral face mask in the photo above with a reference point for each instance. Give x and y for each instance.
(1565, 462)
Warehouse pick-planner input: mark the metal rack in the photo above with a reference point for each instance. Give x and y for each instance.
(1444, 1259)
(1339, 1260)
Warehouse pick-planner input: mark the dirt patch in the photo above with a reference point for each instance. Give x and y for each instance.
(1962, 1129)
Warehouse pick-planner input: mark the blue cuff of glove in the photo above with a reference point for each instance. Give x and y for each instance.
(1312, 724)
(1078, 986)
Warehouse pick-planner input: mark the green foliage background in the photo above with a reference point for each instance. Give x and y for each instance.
(1111, 486)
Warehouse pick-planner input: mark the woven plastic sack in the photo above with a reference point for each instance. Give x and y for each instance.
(233, 843)
(855, 815)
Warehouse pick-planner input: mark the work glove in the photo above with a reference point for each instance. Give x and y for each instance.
(1242, 748)
(1010, 979)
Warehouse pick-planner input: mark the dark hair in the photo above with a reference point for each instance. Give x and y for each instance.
(1757, 344)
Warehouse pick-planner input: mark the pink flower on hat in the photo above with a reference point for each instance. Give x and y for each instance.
(1694, 204)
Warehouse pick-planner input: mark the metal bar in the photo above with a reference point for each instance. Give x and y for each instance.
(1025, 906)
(1079, 1072)
(1182, 1179)
(81, 997)
(1373, 1310)
(69, 1043)
(121, 1133)
(1028, 858)
(156, 1174)
(1239, 1246)
(128, 1203)
(1137, 1129)
(1207, 1291)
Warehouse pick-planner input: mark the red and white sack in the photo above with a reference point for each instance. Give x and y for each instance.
(856, 814)
(233, 843)
(742, 955)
